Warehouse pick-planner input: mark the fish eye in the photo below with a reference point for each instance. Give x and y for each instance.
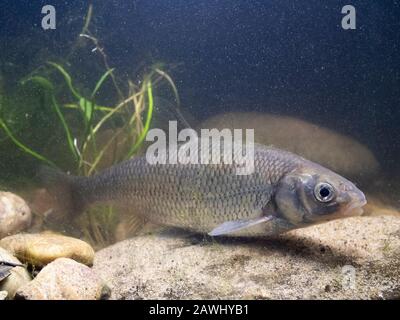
(324, 192)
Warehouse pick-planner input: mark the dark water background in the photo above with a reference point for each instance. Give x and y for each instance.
(287, 57)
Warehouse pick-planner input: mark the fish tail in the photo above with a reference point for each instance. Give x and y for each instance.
(66, 191)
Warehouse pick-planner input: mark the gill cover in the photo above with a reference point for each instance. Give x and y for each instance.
(307, 198)
(288, 198)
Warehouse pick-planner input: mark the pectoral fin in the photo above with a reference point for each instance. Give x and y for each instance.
(233, 226)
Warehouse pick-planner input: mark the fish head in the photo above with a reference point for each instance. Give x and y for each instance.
(313, 194)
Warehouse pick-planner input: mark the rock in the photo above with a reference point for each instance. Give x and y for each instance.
(3, 295)
(18, 275)
(326, 147)
(15, 215)
(42, 248)
(311, 263)
(64, 279)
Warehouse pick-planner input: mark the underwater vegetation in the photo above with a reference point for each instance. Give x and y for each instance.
(83, 144)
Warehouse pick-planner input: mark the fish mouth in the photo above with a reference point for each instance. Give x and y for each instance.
(355, 207)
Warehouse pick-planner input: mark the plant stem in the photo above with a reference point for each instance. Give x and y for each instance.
(148, 120)
(23, 147)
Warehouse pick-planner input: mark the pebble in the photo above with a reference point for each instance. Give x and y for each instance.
(15, 215)
(64, 279)
(18, 276)
(42, 248)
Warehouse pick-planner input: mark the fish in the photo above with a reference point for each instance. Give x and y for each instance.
(283, 192)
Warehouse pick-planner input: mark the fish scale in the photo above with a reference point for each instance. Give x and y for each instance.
(279, 195)
(193, 196)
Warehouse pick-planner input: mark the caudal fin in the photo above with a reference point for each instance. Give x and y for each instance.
(65, 191)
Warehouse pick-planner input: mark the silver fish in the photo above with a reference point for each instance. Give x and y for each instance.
(284, 192)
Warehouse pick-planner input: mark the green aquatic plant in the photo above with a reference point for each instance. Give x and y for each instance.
(94, 117)
(22, 146)
(98, 225)
(82, 122)
(83, 143)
